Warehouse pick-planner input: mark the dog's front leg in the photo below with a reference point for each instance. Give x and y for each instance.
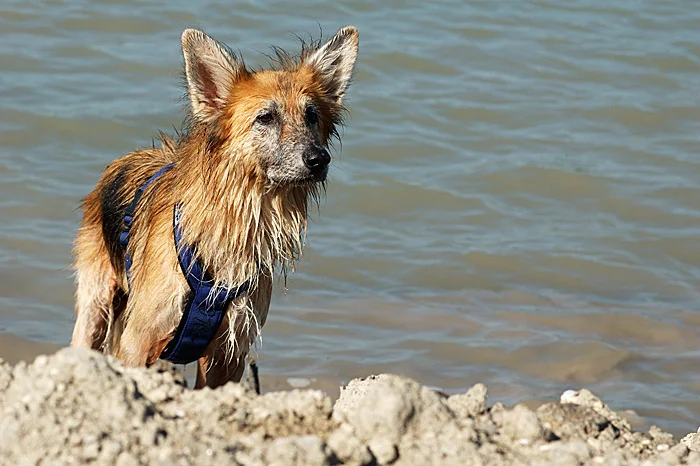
(220, 364)
(151, 318)
(213, 370)
(143, 347)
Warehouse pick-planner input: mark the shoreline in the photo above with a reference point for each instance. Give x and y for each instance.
(80, 406)
(14, 349)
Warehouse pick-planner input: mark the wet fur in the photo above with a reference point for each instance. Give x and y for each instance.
(244, 199)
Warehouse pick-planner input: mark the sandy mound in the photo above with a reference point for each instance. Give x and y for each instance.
(79, 407)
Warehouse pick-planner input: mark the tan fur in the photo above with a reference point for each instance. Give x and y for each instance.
(243, 224)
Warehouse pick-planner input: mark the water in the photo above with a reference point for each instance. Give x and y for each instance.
(517, 199)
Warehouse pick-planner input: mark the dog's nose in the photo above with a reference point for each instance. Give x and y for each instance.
(316, 159)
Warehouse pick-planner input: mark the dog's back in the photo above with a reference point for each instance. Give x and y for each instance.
(105, 206)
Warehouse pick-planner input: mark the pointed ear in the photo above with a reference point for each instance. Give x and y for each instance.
(211, 70)
(335, 60)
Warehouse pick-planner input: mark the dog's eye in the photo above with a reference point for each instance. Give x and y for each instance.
(265, 118)
(311, 116)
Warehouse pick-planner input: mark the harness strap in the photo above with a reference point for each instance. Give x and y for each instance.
(129, 217)
(206, 303)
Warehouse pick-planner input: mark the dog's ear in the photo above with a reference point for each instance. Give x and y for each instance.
(211, 69)
(335, 60)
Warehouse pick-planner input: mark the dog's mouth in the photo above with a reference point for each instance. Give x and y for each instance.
(310, 178)
(318, 176)
(308, 181)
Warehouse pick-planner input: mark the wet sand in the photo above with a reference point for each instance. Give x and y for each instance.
(14, 349)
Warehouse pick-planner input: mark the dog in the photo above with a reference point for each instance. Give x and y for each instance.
(227, 195)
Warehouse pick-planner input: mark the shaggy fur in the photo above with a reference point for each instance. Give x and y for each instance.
(250, 159)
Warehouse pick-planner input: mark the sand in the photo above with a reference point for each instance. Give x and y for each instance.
(80, 407)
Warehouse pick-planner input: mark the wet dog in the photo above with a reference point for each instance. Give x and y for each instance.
(232, 189)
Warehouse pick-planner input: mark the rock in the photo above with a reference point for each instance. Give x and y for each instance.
(403, 421)
(692, 441)
(585, 398)
(471, 404)
(384, 450)
(309, 450)
(379, 406)
(348, 448)
(569, 421)
(575, 452)
(521, 425)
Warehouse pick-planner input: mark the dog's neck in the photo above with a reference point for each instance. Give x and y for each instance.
(239, 225)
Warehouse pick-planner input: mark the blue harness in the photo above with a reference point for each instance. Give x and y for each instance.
(206, 305)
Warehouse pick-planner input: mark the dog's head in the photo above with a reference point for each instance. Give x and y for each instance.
(275, 124)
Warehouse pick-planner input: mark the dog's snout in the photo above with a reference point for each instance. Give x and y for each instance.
(316, 159)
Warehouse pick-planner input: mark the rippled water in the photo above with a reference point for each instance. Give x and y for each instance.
(517, 200)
